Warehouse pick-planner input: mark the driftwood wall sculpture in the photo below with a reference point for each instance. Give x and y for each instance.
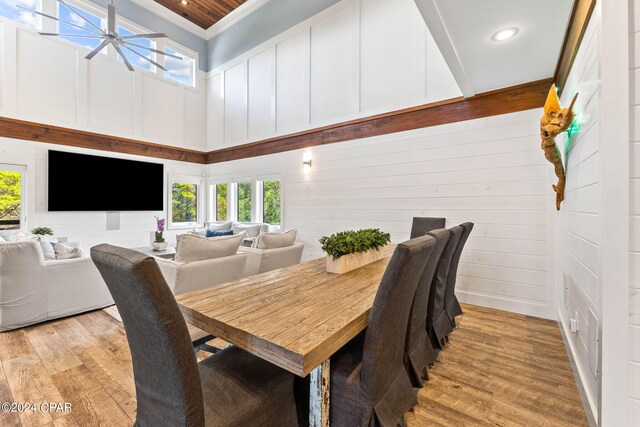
(555, 121)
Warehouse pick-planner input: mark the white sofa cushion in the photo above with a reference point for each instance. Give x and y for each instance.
(192, 247)
(277, 240)
(224, 226)
(47, 242)
(63, 251)
(252, 230)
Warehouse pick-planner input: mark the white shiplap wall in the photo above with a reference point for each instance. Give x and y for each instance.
(47, 80)
(578, 223)
(634, 202)
(87, 228)
(356, 58)
(488, 171)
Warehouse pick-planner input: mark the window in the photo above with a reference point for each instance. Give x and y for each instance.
(184, 209)
(9, 9)
(180, 70)
(12, 206)
(85, 29)
(243, 200)
(136, 59)
(221, 202)
(271, 206)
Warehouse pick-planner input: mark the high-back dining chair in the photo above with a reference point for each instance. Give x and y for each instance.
(451, 304)
(438, 324)
(422, 225)
(419, 351)
(231, 388)
(369, 383)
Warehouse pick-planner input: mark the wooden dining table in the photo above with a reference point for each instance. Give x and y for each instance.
(295, 317)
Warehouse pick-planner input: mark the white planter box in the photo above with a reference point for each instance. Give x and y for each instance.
(350, 262)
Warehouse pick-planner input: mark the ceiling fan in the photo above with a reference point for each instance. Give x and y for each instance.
(109, 36)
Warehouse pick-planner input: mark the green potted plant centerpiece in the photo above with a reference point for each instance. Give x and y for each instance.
(159, 244)
(348, 250)
(42, 231)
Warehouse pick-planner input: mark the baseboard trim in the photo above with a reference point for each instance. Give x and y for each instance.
(578, 374)
(514, 305)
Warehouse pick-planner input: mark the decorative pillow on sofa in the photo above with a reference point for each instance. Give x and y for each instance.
(199, 231)
(277, 240)
(192, 247)
(47, 243)
(66, 252)
(225, 226)
(21, 236)
(251, 230)
(213, 233)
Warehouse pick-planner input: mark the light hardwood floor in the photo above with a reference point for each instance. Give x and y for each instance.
(499, 369)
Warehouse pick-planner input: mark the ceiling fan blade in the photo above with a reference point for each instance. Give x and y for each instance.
(70, 35)
(145, 58)
(57, 19)
(95, 51)
(151, 49)
(72, 10)
(124, 58)
(143, 36)
(111, 18)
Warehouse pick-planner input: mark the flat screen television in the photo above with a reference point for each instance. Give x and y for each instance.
(108, 184)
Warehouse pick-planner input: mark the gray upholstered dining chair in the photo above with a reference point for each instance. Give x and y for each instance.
(230, 388)
(419, 353)
(369, 383)
(438, 324)
(422, 225)
(451, 304)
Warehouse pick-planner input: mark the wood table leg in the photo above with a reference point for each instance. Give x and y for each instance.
(319, 395)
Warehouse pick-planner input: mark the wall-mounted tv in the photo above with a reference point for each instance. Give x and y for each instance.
(107, 184)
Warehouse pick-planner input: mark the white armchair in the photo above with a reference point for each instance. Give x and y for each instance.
(263, 260)
(33, 290)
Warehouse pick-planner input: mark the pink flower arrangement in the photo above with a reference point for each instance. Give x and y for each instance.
(160, 222)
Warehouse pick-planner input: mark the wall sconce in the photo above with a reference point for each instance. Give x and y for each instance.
(306, 166)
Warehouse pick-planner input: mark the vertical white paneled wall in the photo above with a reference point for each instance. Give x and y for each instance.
(578, 224)
(47, 80)
(354, 59)
(634, 203)
(489, 171)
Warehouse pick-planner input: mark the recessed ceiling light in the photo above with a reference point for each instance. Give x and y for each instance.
(184, 2)
(504, 34)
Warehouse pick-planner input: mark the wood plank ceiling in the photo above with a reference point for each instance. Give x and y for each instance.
(203, 13)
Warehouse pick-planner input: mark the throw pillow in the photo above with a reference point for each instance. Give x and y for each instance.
(225, 226)
(47, 244)
(199, 231)
(66, 252)
(212, 233)
(251, 230)
(192, 247)
(277, 240)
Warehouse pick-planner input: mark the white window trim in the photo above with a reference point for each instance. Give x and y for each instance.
(27, 190)
(181, 50)
(212, 199)
(88, 7)
(137, 29)
(260, 200)
(184, 179)
(233, 209)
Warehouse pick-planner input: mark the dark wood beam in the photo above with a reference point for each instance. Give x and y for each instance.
(502, 101)
(580, 15)
(20, 129)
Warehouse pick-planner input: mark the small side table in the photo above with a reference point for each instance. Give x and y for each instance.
(169, 253)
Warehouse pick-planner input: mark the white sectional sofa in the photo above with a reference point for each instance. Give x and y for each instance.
(33, 290)
(263, 260)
